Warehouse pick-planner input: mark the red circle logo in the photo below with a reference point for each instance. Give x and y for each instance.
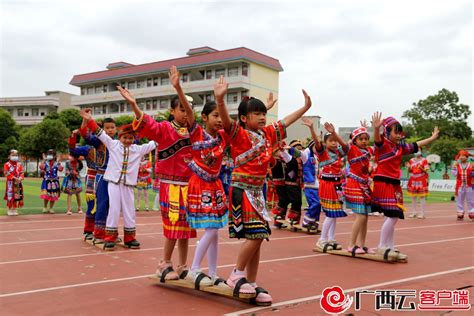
(334, 301)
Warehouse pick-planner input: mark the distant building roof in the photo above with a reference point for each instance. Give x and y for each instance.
(196, 57)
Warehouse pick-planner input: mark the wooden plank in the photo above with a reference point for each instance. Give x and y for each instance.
(375, 257)
(221, 289)
(296, 228)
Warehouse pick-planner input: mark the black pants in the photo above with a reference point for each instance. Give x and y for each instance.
(289, 194)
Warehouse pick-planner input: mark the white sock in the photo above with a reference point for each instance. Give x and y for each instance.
(212, 253)
(326, 226)
(332, 230)
(202, 248)
(413, 201)
(387, 233)
(156, 202)
(422, 206)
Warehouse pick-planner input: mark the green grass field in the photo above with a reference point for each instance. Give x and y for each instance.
(34, 205)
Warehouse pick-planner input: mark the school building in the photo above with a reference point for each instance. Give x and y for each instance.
(249, 73)
(28, 111)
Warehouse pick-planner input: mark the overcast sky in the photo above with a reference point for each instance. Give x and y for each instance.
(353, 57)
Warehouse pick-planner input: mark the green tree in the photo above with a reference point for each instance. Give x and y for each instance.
(71, 118)
(51, 134)
(447, 149)
(442, 110)
(123, 119)
(52, 116)
(9, 134)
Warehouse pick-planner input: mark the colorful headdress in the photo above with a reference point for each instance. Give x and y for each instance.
(295, 143)
(359, 131)
(387, 123)
(462, 152)
(125, 129)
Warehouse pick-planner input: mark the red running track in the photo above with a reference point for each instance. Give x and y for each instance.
(46, 269)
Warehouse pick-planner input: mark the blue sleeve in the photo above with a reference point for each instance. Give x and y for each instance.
(93, 140)
(80, 151)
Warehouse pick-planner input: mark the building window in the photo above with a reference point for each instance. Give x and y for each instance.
(10, 111)
(164, 104)
(122, 107)
(245, 69)
(83, 91)
(165, 81)
(148, 105)
(98, 89)
(233, 72)
(155, 82)
(208, 74)
(131, 85)
(141, 105)
(27, 114)
(129, 108)
(155, 104)
(140, 84)
(19, 112)
(42, 113)
(97, 109)
(184, 78)
(113, 108)
(105, 88)
(90, 90)
(149, 82)
(34, 112)
(232, 97)
(209, 98)
(220, 72)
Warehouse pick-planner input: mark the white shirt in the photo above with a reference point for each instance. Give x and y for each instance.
(124, 162)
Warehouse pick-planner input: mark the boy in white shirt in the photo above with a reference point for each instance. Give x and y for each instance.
(121, 174)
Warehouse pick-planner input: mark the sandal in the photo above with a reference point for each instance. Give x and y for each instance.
(356, 250)
(199, 279)
(370, 251)
(240, 285)
(166, 272)
(262, 298)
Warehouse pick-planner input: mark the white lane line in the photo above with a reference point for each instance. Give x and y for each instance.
(378, 219)
(221, 266)
(65, 228)
(220, 243)
(369, 286)
(80, 220)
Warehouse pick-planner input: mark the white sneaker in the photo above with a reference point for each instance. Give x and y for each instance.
(321, 244)
(9, 212)
(45, 210)
(15, 213)
(192, 276)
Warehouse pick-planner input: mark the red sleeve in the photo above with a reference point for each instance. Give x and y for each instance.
(92, 125)
(276, 132)
(147, 127)
(6, 171)
(195, 133)
(71, 141)
(83, 131)
(20, 168)
(225, 137)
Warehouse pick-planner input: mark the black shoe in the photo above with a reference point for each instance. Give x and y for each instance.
(109, 245)
(88, 236)
(134, 244)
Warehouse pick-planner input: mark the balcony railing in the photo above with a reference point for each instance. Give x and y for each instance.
(157, 91)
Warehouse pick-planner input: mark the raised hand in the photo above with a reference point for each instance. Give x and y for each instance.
(86, 114)
(377, 120)
(127, 95)
(173, 73)
(270, 101)
(329, 127)
(364, 123)
(307, 122)
(220, 88)
(435, 133)
(75, 132)
(307, 100)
